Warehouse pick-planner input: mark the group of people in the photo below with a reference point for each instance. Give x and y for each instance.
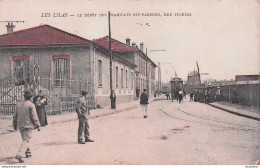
(205, 95)
(179, 94)
(29, 115)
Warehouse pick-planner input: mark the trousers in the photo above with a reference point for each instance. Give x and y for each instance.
(144, 108)
(26, 136)
(83, 128)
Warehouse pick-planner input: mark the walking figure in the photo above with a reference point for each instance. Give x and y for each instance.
(25, 119)
(113, 100)
(144, 102)
(83, 111)
(180, 96)
(172, 95)
(191, 96)
(40, 102)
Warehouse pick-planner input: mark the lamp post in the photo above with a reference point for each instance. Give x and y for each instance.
(110, 54)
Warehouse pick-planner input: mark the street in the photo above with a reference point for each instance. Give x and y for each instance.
(173, 134)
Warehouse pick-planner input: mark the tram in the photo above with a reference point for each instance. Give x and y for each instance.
(176, 85)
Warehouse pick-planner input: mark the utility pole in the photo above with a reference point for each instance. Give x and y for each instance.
(110, 53)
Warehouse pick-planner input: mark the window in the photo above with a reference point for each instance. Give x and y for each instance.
(132, 80)
(117, 77)
(99, 72)
(19, 61)
(61, 70)
(122, 78)
(126, 84)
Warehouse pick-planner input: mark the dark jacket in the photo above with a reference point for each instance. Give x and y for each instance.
(144, 98)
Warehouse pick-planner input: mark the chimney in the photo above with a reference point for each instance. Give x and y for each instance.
(127, 41)
(133, 44)
(142, 46)
(10, 27)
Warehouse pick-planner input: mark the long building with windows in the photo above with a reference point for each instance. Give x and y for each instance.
(63, 65)
(144, 73)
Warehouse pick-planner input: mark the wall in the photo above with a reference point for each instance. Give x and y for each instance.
(124, 94)
(80, 62)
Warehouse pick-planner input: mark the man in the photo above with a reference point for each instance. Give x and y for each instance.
(144, 102)
(167, 95)
(113, 100)
(180, 96)
(137, 93)
(40, 102)
(82, 111)
(191, 96)
(25, 119)
(172, 95)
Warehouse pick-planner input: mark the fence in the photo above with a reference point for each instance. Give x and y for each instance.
(245, 94)
(62, 94)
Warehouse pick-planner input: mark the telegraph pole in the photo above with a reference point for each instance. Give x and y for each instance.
(110, 53)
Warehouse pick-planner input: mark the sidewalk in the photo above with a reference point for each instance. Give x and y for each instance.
(7, 127)
(237, 109)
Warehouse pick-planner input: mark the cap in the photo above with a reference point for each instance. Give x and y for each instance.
(84, 93)
(27, 93)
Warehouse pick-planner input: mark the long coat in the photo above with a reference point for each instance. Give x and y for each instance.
(144, 98)
(40, 103)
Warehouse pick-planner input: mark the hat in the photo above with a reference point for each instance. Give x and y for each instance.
(27, 93)
(145, 90)
(84, 93)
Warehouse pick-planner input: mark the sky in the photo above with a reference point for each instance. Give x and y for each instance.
(222, 35)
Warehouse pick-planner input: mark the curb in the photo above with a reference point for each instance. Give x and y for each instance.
(236, 113)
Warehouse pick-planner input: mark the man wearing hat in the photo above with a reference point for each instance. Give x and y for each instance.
(40, 102)
(25, 119)
(113, 100)
(144, 102)
(82, 111)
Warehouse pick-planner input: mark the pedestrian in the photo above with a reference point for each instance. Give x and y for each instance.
(144, 102)
(25, 119)
(167, 95)
(113, 100)
(180, 96)
(172, 95)
(137, 93)
(83, 111)
(40, 102)
(191, 96)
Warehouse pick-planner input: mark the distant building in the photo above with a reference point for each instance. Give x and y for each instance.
(193, 78)
(247, 77)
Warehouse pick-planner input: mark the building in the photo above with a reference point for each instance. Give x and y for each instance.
(247, 77)
(193, 78)
(145, 67)
(61, 64)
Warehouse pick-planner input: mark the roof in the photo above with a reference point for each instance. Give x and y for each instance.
(246, 77)
(116, 46)
(119, 47)
(41, 35)
(193, 73)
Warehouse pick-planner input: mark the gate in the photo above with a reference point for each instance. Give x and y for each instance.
(12, 88)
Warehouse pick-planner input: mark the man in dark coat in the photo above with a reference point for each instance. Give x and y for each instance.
(83, 111)
(40, 102)
(25, 119)
(144, 102)
(113, 100)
